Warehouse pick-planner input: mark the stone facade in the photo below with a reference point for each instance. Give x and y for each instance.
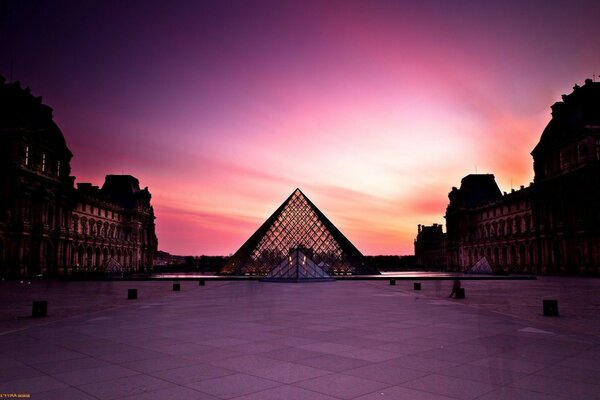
(553, 225)
(482, 222)
(49, 227)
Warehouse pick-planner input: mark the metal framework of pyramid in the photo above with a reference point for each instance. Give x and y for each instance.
(296, 227)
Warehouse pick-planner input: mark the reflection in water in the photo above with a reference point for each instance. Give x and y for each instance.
(182, 275)
(384, 275)
(421, 274)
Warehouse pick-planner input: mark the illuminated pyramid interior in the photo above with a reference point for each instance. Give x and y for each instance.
(297, 242)
(299, 266)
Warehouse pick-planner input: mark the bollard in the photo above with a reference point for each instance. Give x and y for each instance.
(392, 282)
(550, 308)
(417, 286)
(131, 294)
(201, 282)
(39, 309)
(176, 287)
(460, 293)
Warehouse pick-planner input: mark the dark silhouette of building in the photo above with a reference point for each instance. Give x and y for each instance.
(553, 225)
(297, 227)
(49, 227)
(430, 247)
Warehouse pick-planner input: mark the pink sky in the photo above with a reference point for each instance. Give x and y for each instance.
(374, 109)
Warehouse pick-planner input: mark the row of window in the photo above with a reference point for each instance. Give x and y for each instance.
(572, 156)
(110, 231)
(500, 228)
(45, 165)
(506, 209)
(97, 228)
(90, 258)
(98, 211)
(519, 255)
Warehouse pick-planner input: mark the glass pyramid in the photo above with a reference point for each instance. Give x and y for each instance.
(296, 230)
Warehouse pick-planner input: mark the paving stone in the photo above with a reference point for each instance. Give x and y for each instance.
(342, 340)
(172, 393)
(400, 393)
(386, 372)
(289, 372)
(68, 393)
(333, 362)
(61, 366)
(558, 387)
(287, 393)
(230, 386)
(98, 374)
(31, 385)
(192, 373)
(15, 372)
(450, 386)
(126, 386)
(342, 386)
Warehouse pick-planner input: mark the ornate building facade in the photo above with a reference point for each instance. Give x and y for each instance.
(553, 225)
(49, 227)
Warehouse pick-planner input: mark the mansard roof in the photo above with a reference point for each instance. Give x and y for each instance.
(125, 190)
(475, 190)
(120, 190)
(576, 113)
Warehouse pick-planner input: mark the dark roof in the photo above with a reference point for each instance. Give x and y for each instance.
(478, 189)
(121, 189)
(576, 112)
(21, 111)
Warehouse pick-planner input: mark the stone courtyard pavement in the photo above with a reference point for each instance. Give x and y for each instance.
(362, 340)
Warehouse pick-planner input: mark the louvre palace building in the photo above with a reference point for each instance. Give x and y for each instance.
(551, 226)
(47, 225)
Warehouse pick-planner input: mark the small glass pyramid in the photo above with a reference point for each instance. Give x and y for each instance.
(297, 231)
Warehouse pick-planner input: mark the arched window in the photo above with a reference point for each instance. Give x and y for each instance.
(513, 257)
(89, 257)
(522, 257)
(98, 260)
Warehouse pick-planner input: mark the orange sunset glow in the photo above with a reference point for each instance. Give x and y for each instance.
(374, 109)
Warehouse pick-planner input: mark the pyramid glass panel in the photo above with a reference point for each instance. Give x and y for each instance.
(297, 227)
